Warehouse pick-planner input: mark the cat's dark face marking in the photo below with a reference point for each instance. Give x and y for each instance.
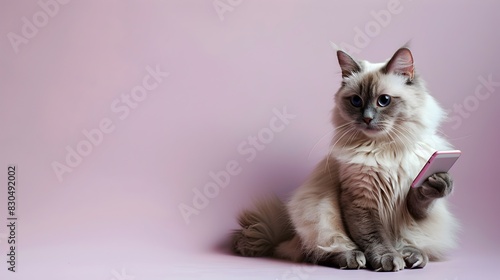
(371, 100)
(370, 105)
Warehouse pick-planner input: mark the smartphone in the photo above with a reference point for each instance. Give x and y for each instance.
(440, 161)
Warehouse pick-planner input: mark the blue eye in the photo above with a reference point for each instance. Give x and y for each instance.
(356, 101)
(384, 100)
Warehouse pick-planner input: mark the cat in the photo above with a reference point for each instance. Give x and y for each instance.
(357, 209)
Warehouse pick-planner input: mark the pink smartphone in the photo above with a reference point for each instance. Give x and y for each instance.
(440, 161)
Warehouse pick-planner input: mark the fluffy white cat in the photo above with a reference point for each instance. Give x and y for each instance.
(357, 208)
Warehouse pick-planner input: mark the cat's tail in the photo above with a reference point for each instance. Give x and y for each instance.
(262, 229)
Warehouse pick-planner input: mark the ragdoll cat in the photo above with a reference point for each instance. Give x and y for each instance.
(357, 209)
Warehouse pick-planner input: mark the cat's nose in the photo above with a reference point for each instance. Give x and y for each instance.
(367, 120)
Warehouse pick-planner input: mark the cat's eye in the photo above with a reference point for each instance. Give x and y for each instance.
(356, 101)
(384, 100)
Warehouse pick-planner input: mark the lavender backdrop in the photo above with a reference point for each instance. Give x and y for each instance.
(122, 115)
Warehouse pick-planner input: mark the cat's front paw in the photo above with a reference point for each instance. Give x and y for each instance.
(353, 259)
(437, 185)
(387, 262)
(414, 258)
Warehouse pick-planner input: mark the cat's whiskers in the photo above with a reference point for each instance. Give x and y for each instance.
(393, 141)
(395, 133)
(407, 133)
(353, 136)
(345, 129)
(402, 132)
(343, 126)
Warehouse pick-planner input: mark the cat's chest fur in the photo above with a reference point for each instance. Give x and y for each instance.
(396, 163)
(381, 175)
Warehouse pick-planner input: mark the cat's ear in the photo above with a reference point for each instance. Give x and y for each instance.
(347, 64)
(401, 63)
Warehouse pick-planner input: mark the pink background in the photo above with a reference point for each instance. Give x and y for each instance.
(117, 212)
